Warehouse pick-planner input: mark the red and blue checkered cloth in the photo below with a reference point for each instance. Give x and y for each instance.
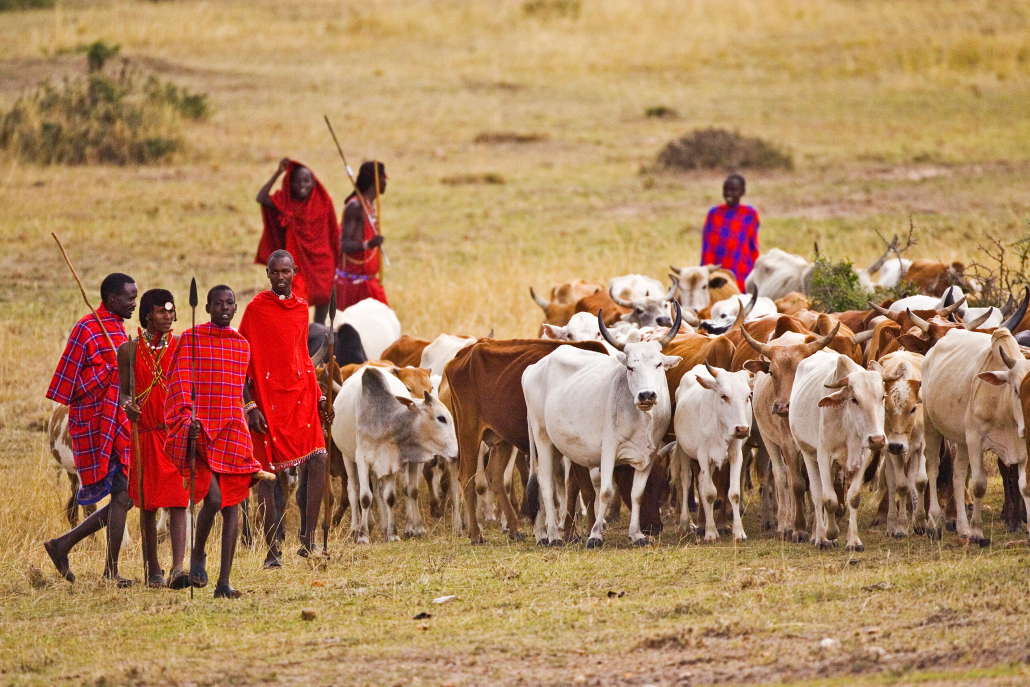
(86, 381)
(219, 368)
(730, 240)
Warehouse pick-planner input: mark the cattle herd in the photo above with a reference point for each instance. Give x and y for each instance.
(677, 399)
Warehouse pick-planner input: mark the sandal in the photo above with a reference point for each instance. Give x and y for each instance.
(179, 579)
(224, 591)
(198, 572)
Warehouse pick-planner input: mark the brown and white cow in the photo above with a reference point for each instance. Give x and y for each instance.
(564, 297)
(697, 288)
(905, 467)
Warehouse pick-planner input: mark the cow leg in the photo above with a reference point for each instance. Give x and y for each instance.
(1024, 490)
(797, 464)
(854, 497)
(485, 500)
(891, 470)
(766, 486)
(960, 470)
(604, 498)
(432, 472)
(978, 485)
(504, 456)
(360, 499)
(830, 501)
(818, 512)
(735, 467)
(639, 484)
(468, 456)
(916, 476)
(707, 490)
(783, 494)
(388, 499)
(686, 525)
(454, 496)
(545, 469)
(933, 439)
(721, 479)
(414, 528)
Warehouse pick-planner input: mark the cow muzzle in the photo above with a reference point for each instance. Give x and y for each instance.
(741, 432)
(646, 400)
(877, 441)
(781, 409)
(663, 321)
(896, 447)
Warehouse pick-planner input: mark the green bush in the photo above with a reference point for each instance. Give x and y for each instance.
(25, 4)
(721, 149)
(835, 286)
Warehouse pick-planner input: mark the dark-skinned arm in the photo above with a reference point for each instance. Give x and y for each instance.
(125, 399)
(263, 195)
(353, 231)
(255, 418)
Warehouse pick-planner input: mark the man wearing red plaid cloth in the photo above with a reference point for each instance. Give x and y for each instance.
(211, 361)
(86, 381)
(284, 402)
(730, 236)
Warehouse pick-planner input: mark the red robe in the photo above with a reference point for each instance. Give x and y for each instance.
(309, 231)
(358, 278)
(219, 369)
(283, 382)
(162, 484)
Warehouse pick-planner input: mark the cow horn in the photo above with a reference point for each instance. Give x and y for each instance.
(823, 342)
(918, 321)
(673, 289)
(544, 305)
(947, 311)
(1017, 317)
(1009, 362)
(1006, 309)
(760, 347)
(491, 334)
(619, 301)
(671, 334)
(880, 309)
(711, 370)
(675, 269)
(975, 323)
(612, 341)
(862, 337)
(319, 356)
(752, 291)
(839, 384)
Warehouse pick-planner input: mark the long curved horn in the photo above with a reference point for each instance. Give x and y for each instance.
(1009, 362)
(544, 305)
(862, 337)
(917, 320)
(619, 301)
(823, 342)
(974, 324)
(1006, 309)
(752, 291)
(673, 289)
(946, 312)
(671, 334)
(880, 309)
(758, 346)
(612, 341)
(1017, 317)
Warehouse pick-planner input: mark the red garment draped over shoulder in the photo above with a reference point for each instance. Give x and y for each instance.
(217, 364)
(283, 382)
(309, 231)
(86, 381)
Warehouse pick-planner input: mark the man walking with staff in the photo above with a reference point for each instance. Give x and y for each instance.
(86, 381)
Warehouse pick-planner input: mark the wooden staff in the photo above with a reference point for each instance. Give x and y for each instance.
(360, 196)
(191, 444)
(330, 367)
(134, 347)
(379, 214)
(83, 292)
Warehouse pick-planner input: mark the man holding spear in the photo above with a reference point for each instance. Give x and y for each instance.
(86, 381)
(358, 277)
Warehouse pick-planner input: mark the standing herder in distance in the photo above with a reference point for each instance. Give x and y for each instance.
(283, 399)
(357, 279)
(301, 219)
(212, 360)
(86, 381)
(730, 235)
(151, 356)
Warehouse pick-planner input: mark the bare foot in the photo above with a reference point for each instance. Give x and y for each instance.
(60, 560)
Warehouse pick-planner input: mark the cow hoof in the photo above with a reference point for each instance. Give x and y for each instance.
(799, 537)
(935, 533)
(1015, 527)
(899, 535)
(711, 539)
(477, 541)
(877, 522)
(983, 542)
(556, 542)
(950, 526)
(516, 536)
(643, 541)
(361, 540)
(725, 531)
(594, 543)
(740, 539)
(855, 548)
(919, 530)
(542, 542)
(825, 544)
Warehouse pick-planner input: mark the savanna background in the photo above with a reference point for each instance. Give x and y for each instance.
(520, 150)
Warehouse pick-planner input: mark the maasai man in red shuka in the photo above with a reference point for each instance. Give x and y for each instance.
(730, 236)
(301, 219)
(150, 357)
(86, 381)
(212, 361)
(284, 402)
(357, 278)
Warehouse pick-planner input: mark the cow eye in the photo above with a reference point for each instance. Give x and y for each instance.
(913, 412)
(855, 401)
(442, 419)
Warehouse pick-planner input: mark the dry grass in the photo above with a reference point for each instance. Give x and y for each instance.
(890, 109)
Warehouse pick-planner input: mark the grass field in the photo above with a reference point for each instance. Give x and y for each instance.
(891, 110)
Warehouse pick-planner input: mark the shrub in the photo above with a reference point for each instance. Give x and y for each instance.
(495, 137)
(25, 4)
(469, 179)
(835, 286)
(100, 119)
(721, 149)
(661, 112)
(98, 53)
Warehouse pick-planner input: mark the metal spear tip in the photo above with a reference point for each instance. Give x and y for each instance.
(332, 307)
(194, 300)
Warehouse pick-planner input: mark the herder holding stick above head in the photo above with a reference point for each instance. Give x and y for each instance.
(211, 361)
(86, 381)
(150, 357)
(358, 279)
(300, 218)
(285, 405)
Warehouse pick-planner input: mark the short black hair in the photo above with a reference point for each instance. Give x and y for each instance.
(154, 298)
(367, 174)
(114, 283)
(280, 255)
(216, 289)
(736, 177)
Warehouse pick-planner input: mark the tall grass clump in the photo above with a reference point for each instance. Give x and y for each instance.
(721, 149)
(100, 119)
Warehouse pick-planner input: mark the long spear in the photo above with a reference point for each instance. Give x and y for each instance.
(83, 292)
(354, 185)
(191, 444)
(330, 369)
(139, 460)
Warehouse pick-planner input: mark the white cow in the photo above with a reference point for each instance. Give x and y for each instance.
(971, 397)
(725, 312)
(380, 429)
(713, 418)
(836, 428)
(598, 411)
(777, 273)
(889, 274)
(375, 322)
(905, 465)
(646, 311)
(630, 286)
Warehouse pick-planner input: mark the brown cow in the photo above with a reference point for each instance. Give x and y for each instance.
(601, 300)
(697, 288)
(405, 351)
(793, 302)
(562, 306)
(932, 278)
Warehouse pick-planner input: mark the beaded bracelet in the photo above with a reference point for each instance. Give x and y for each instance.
(249, 407)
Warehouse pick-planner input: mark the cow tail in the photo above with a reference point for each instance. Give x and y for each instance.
(531, 504)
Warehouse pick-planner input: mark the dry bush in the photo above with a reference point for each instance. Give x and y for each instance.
(472, 179)
(998, 278)
(721, 149)
(508, 137)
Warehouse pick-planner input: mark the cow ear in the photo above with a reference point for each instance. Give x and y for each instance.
(428, 397)
(756, 366)
(621, 357)
(706, 382)
(552, 332)
(671, 361)
(994, 378)
(913, 343)
(406, 402)
(834, 400)
(717, 282)
(877, 367)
